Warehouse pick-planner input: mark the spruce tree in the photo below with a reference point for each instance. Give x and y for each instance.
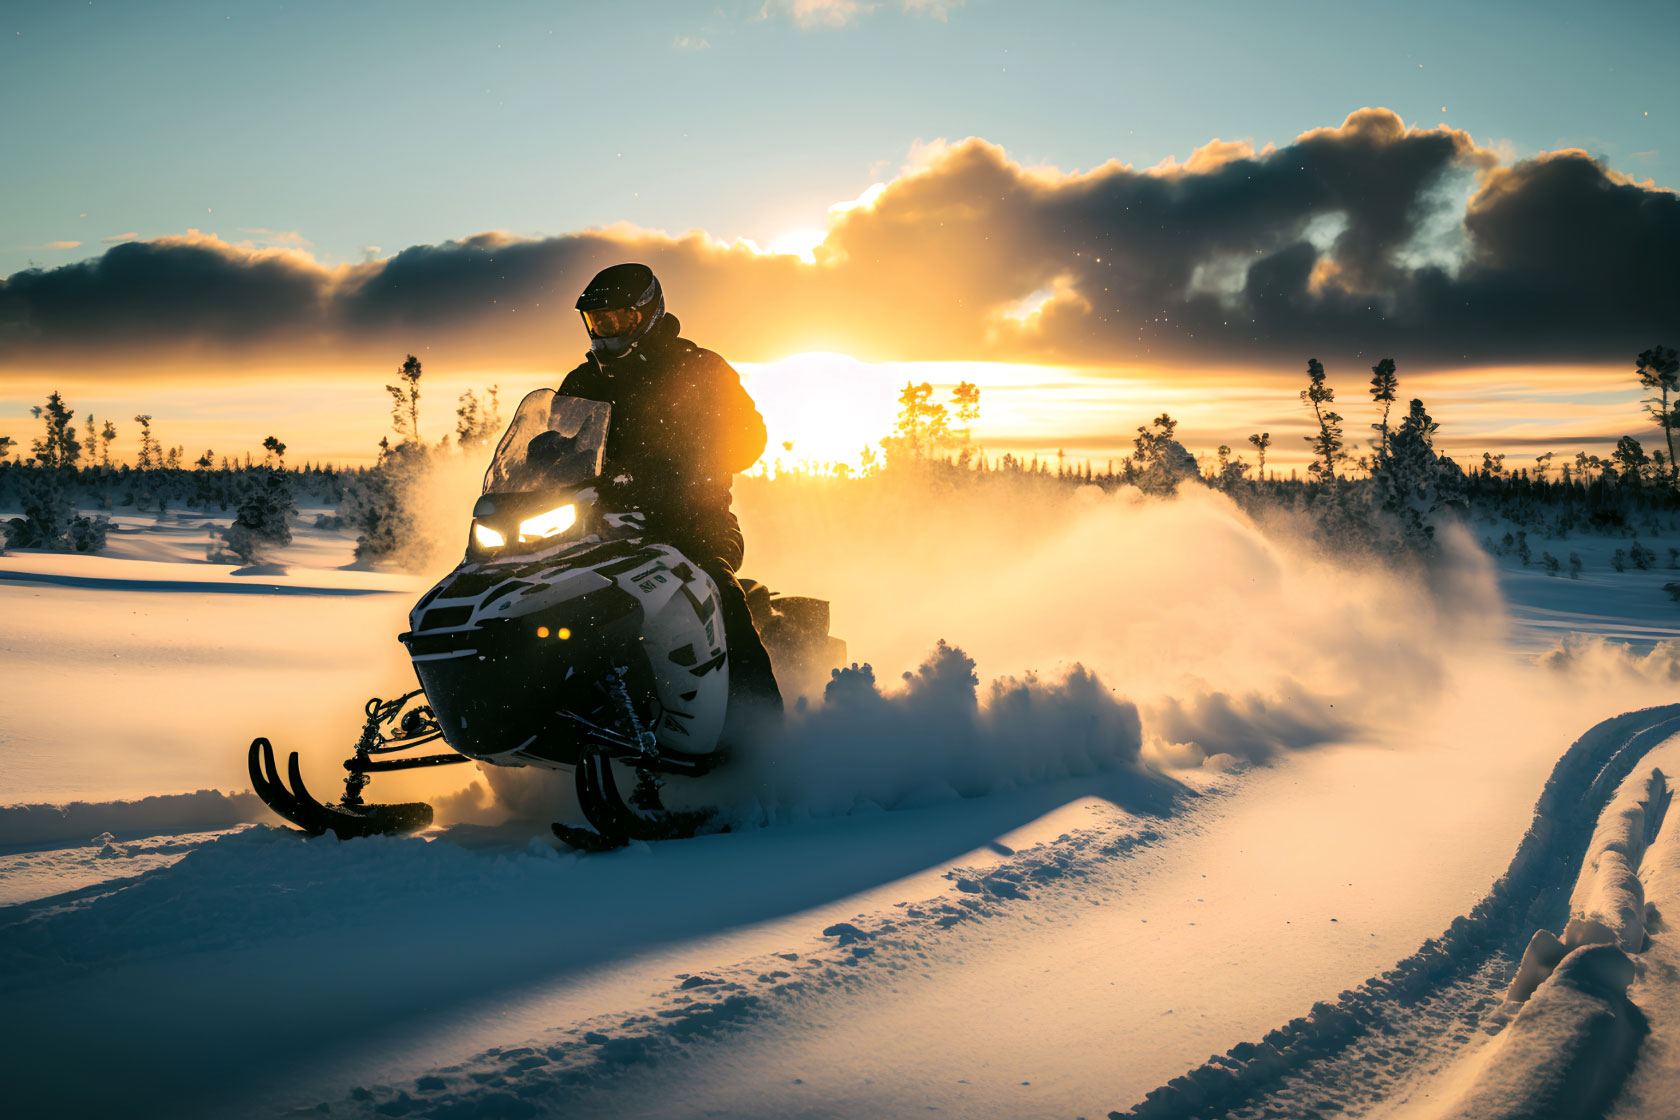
(405, 400)
(477, 423)
(923, 424)
(1630, 457)
(1383, 387)
(146, 461)
(1327, 445)
(966, 399)
(58, 447)
(1261, 441)
(1659, 369)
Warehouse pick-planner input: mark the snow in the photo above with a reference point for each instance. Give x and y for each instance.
(1567, 1052)
(128, 678)
(1218, 789)
(204, 810)
(1369, 1040)
(1577, 1029)
(1609, 900)
(1654, 1084)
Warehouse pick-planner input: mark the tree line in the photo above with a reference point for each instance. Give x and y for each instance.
(1390, 496)
(70, 484)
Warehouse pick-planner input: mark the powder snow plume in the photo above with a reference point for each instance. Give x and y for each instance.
(1235, 636)
(1011, 629)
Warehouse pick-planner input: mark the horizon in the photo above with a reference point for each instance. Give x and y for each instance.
(1026, 411)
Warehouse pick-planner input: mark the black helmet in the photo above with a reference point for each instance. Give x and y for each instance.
(620, 306)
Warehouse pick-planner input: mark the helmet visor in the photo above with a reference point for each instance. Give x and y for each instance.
(612, 322)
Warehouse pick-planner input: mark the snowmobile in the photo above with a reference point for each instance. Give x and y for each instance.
(566, 638)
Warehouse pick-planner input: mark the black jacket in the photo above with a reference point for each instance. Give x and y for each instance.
(681, 424)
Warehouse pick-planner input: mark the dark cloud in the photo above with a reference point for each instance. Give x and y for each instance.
(145, 293)
(1354, 239)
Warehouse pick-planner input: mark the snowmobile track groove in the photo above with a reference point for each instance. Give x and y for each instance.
(1311, 1065)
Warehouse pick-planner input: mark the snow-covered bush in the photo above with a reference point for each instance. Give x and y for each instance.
(50, 520)
(382, 506)
(262, 522)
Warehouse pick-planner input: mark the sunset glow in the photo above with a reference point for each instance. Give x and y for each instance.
(830, 406)
(854, 559)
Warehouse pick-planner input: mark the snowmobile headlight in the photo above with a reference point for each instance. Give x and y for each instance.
(556, 520)
(486, 536)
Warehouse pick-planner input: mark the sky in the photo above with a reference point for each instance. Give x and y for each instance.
(257, 196)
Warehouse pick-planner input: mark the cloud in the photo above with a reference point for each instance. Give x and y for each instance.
(936, 9)
(817, 13)
(843, 13)
(1370, 237)
(287, 238)
(116, 237)
(690, 43)
(62, 245)
(191, 290)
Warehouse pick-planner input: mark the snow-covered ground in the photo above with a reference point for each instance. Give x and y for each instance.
(1067, 944)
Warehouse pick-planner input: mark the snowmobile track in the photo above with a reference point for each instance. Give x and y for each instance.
(1345, 1056)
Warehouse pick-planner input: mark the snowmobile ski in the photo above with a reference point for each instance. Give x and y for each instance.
(298, 806)
(614, 821)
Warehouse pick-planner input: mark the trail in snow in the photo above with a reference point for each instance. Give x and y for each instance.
(1350, 1056)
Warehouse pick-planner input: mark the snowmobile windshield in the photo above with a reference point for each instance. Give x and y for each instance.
(554, 442)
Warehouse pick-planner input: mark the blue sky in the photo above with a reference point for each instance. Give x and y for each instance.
(359, 125)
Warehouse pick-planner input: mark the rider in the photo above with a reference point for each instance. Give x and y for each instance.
(681, 427)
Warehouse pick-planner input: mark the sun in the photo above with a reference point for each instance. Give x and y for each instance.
(801, 243)
(822, 409)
